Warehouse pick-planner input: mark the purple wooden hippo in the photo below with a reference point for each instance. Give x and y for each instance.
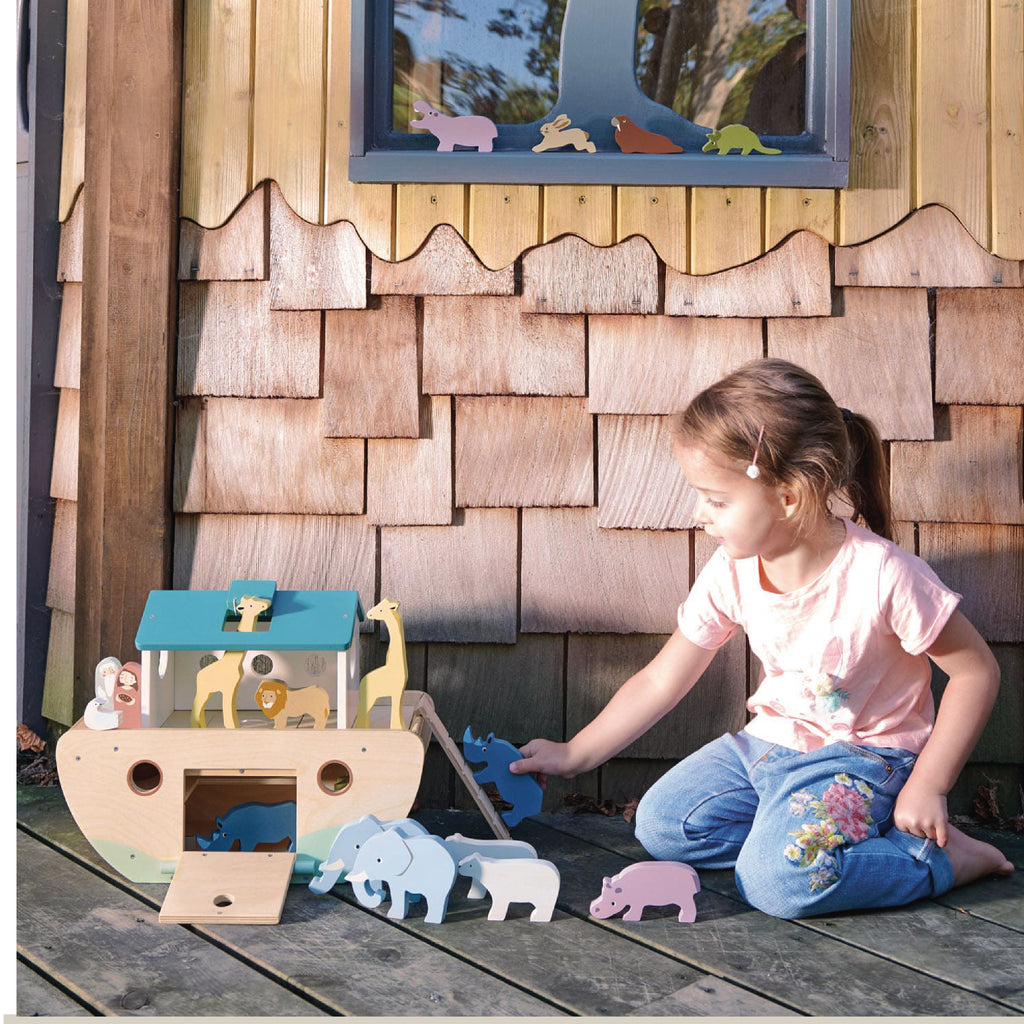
(649, 883)
(473, 130)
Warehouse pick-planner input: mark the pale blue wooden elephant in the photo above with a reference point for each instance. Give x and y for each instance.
(347, 844)
(409, 866)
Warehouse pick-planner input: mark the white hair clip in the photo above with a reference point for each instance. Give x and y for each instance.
(752, 470)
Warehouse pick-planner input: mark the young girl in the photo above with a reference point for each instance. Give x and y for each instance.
(834, 795)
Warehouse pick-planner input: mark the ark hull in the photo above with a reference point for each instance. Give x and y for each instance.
(140, 796)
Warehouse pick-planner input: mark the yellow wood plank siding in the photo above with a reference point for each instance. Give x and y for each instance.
(72, 172)
(215, 109)
(369, 207)
(1006, 71)
(725, 228)
(952, 124)
(289, 100)
(503, 221)
(881, 120)
(937, 117)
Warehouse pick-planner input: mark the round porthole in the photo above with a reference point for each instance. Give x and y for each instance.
(262, 665)
(334, 777)
(144, 778)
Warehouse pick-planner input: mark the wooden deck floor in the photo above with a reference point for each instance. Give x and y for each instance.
(89, 943)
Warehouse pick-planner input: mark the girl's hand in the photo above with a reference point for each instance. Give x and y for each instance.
(543, 758)
(921, 812)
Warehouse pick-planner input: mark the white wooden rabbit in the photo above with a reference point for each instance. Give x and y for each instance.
(557, 134)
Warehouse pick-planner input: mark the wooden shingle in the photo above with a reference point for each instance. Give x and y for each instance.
(979, 346)
(985, 563)
(69, 248)
(444, 265)
(409, 482)
(792, 280)
(231, 343)
(516, 451)
(874, 359)
(67, 370)
(64, 472)
(299, 552)
(930, 249)
(599, 665)
(263, 455)
(507, 689)
(657, 364)
(371, 371)
(572, 276)
(314, 266)
(577, 577)
(640, 485)
(489, 346)
(971, 473)
(457, 583)
(60, 584)
(59, 681)
(236, 251)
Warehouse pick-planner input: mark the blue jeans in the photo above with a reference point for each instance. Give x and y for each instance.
(808, 833)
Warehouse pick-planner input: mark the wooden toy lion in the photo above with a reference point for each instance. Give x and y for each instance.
(279, 703)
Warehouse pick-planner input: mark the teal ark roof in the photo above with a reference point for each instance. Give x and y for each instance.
(205, 620)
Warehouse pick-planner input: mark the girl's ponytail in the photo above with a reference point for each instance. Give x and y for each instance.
(867, 485)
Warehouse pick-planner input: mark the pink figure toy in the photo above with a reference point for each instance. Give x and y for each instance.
(465, 130)
(649, 883)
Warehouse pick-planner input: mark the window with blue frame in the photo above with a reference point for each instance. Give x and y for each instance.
(718, 92)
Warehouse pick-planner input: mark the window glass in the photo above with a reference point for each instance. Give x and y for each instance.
(718, 62)
(498, 58)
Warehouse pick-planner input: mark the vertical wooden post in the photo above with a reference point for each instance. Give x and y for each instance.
(129, 314)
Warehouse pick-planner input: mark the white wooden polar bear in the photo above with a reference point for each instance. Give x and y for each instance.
(500, 849)
(515, 881)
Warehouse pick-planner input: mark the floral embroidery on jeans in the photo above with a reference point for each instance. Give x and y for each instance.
(843, 815)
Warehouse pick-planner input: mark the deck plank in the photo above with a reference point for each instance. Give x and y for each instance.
(345, 960)
(808, 964)
(101, 941)
(38, 998)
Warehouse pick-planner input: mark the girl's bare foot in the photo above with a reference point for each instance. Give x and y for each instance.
(972, 859)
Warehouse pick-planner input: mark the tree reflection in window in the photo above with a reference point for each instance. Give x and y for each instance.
(718, 62)
(490, 57)
(714, 62)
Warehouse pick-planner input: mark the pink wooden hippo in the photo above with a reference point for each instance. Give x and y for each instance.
(465, 130)
(649, 883)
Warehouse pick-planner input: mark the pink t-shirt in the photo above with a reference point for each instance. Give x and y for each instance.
(843, 656)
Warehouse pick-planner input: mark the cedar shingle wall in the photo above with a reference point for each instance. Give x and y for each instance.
(488, 448)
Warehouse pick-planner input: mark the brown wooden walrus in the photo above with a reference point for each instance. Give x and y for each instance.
(631, 138)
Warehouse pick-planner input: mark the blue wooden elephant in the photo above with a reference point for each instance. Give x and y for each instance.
(347, 844)
(409, 866)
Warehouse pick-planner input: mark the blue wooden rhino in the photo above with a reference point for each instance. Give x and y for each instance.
(522, 791)
(252, 824)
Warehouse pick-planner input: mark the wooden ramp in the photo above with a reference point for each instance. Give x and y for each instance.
(89, 943)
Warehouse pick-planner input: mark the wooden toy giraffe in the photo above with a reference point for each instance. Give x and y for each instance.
(224, 675)
(389, 680)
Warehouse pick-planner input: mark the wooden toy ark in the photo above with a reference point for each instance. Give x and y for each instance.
(389, 680)
(649, 883)
(145, 797)
(522, 791)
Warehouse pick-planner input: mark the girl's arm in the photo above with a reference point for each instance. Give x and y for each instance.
(965, 707)
(640, 702)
